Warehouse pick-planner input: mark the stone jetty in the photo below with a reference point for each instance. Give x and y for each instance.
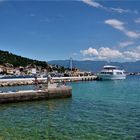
(30, 81)
(31, 95)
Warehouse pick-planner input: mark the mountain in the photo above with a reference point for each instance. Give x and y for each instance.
(96, 66)
(15, 60)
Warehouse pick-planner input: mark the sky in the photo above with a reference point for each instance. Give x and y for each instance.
(81, 29)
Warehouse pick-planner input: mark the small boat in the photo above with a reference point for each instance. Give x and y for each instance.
(111, 73)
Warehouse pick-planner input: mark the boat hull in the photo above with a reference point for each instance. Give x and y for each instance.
(111, 77)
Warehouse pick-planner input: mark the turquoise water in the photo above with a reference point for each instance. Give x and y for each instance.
(98, 110)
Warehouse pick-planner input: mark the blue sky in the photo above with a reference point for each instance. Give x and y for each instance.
(84, 30)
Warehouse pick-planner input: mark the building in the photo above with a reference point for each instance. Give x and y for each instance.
(9, 70)
(17, 71)
(1, 69)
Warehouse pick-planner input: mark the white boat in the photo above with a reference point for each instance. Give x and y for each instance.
(111, 73)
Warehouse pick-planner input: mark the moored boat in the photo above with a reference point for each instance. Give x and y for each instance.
(111, 73)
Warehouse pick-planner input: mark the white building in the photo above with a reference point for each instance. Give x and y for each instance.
(33, 71)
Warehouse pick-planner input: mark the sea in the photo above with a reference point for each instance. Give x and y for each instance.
(97, 110)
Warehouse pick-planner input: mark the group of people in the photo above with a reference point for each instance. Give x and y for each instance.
(36, 82)
(49, 81)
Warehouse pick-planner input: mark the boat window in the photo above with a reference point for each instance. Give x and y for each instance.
(110, 68)
(106, 72)
(119, 73)
(110, 72)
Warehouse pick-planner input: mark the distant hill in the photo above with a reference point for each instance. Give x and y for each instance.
(96, 66)
(15, 60)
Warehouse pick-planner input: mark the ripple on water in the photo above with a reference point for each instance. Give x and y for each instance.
(97, 111)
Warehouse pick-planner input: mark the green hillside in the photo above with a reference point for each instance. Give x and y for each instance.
(15, 60)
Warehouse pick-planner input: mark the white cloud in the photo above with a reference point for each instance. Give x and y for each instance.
(132, 55)
(92, 3)
(120, 10)
(95, 4)
(131, 34)
(117, 24)
(137, 20)
(109, 53)
(125, 44)
(101, 53)
(138, 48)
(105, 53)
(87, 59)
(90, 51)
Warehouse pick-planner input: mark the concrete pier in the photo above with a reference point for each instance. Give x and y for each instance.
(30, 95)
(30, 81)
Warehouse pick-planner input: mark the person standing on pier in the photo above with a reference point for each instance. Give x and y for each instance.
(48, 80)
(36, 82)
(64, 82)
